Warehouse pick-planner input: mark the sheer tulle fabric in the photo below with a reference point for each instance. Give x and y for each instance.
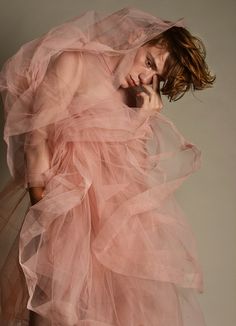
(107, 244)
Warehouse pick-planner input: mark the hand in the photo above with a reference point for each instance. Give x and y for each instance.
(149, 98)
(36, 194)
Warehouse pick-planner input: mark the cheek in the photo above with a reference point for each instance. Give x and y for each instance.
(139, 63)
(137, 69)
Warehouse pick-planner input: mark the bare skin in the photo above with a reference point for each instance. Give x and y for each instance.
(36, 194)
(149, 61)
(146, 93)
(141, 86)
(144, 79)
(150, 96)
(146, 97)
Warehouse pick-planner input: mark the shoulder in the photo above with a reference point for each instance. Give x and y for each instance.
(68, 65)
(68, 60)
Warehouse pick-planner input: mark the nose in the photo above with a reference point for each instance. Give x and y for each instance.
(146, 77)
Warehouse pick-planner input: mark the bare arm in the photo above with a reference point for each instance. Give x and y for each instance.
(37, 160)
(61, 82)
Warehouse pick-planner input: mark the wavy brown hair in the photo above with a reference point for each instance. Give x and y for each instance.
(185, 68)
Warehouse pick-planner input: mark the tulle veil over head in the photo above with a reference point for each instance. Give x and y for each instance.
(118, 34)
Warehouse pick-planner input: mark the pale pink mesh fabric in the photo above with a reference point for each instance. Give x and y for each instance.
(108, 244)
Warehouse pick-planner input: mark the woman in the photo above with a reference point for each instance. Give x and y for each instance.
(104, 242)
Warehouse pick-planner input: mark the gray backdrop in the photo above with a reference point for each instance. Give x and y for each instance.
(206, 119)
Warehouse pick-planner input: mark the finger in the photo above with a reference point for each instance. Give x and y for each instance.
(144, 88)
(146, 100)
(155, 82)
(156, 104)
(156, 100)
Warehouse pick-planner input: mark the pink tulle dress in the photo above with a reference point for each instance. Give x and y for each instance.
(108, 244)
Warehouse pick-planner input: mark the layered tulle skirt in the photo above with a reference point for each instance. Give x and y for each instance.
(108, 243)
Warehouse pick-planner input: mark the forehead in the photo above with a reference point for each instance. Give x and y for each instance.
(158, 52)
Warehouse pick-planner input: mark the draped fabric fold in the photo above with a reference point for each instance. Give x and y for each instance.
(108, 244)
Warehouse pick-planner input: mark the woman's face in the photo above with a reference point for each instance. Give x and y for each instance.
(149, 60)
